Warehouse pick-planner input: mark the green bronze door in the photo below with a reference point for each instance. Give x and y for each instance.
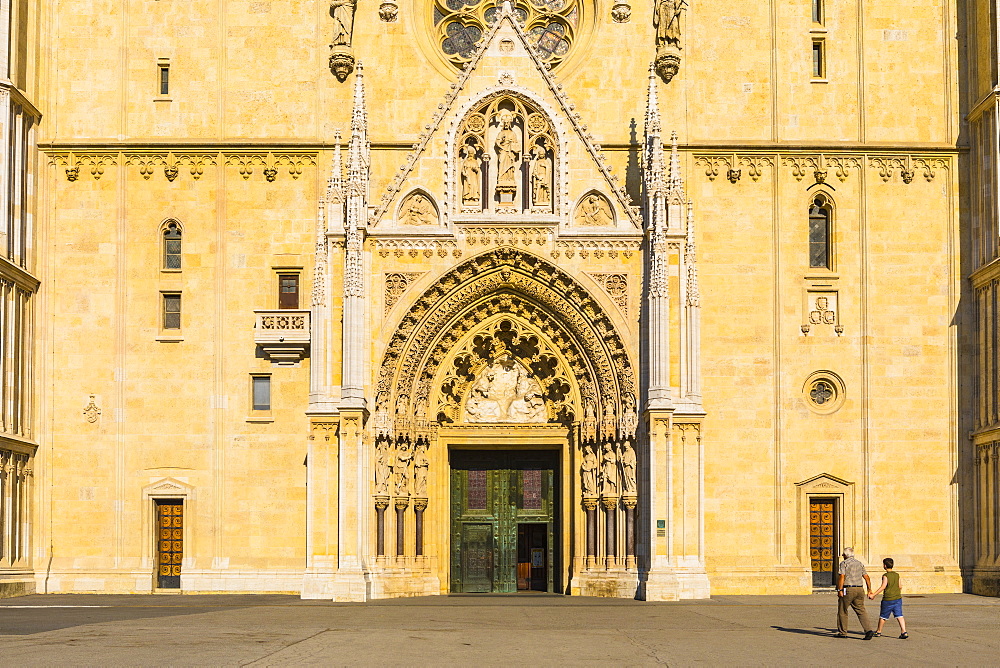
(503, 529)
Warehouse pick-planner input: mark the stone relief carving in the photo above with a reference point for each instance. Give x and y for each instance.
(401, 467)
(821, 309)
(621, 12)
(388, 11)
(628, 468)
(609, 472)
(383, 464)
(417, 209)
(416, 247)
(588, 472)
(420, 467)
(616, 285)
(92, 412)
(667, 21)
(505, 392)
(519, 137)
(541, 177)
(472, 178)
(342, 58)
(504, 374)
(594, 210)
(596, 247)
(396, 283)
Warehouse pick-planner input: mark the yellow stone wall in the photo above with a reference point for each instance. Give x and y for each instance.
(249, 80)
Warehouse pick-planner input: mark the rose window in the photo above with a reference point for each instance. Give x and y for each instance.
(549, 24)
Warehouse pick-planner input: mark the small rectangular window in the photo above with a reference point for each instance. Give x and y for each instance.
(164, 78)
(171, 310)
(817, 11)
(819, 59)
(288, 291)
(261, 391)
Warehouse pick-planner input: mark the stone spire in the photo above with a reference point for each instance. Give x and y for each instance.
(355, 336)
(675, 183)
(654, 177)
(358, 153)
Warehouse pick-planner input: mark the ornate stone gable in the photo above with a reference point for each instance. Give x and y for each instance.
(502, 146)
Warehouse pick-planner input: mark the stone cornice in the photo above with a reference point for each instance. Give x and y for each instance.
(20, 276)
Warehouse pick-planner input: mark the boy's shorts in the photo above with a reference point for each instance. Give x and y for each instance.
(894, 606)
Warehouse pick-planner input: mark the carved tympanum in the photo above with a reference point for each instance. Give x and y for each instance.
(594, 211)
(505, 392)
(417, 209)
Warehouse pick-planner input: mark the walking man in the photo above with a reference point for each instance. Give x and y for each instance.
(851, 593)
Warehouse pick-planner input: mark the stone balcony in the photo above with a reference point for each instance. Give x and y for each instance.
(282, 335)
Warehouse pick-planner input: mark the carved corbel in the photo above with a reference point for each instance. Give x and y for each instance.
(295, 162)
(147, 163)
(929, 165)
(388, 11)
(97, 164)
(621, 12)
(755, 165)
(196, 163)
(799, 165)
(170, 169)
(245, 163)
(885, 166)
(713, 163)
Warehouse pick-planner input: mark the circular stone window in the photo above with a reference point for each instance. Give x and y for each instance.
(550, 26)
(824, 392)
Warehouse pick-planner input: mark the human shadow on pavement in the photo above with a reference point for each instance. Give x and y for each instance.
(815, 631)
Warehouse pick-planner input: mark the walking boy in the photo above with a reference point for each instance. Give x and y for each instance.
(892, 599)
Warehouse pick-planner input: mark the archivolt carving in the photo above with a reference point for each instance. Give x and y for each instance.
(506, 281)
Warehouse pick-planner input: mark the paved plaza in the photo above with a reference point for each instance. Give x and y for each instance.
(265, 630)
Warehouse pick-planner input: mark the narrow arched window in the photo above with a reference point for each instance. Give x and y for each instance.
(172, 246)
(819, 233)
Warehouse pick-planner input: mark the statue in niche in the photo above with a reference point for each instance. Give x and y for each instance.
(594, 211)
(382, 465)
(508, 150)
(472, 176)
(628, 468)
(342, 12)
(541, 177)
(588, 472)
(401, 467)
(667, 21)
(418, 210)
(609, 472)
(505, 392)
(420, 466)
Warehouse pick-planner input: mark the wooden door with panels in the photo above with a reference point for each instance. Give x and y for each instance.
(824, 542)
(169, 542)
(503, 528)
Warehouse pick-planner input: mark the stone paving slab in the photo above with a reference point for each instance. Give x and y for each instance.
(275, 630)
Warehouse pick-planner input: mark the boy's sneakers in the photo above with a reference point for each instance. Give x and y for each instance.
(904, 636)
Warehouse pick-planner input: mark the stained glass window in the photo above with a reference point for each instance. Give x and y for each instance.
(549, 24)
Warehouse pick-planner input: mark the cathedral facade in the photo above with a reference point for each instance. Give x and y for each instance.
(360, 300)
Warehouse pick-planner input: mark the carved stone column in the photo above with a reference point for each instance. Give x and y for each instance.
(419, 506)
(401, 503)
(381, 503)
(610, 531)
(629, 502)
(590, 506)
